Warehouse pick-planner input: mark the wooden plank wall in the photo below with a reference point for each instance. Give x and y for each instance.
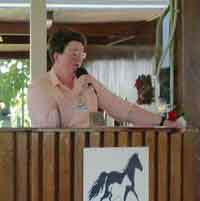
(47, 166)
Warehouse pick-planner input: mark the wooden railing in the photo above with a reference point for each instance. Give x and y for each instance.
(46, 165)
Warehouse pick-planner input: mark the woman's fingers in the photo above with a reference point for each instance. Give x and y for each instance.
(86, 80)
(82, 84)
(171, 124)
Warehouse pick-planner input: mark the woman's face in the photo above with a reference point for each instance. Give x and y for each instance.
(71, 58)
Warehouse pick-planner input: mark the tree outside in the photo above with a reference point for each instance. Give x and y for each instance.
(14, 79)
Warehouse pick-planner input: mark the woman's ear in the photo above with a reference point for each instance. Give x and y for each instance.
(55, 56)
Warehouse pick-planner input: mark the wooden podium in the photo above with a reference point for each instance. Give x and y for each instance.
(46, 164)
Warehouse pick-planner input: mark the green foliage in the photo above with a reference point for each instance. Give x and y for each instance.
(14, 76)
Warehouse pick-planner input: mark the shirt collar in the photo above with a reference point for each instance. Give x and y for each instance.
(54, 79)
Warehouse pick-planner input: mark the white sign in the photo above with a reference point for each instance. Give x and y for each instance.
(116, 174)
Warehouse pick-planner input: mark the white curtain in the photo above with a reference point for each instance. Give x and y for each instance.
(118, 68)
(118, 72)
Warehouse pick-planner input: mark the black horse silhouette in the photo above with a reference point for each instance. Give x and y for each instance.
(106, 179)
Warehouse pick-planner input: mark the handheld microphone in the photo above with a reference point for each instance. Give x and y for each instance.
(80, 71)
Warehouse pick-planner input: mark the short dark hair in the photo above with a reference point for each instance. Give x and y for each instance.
(60, 39)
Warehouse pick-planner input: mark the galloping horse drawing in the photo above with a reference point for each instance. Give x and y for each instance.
(106, 179)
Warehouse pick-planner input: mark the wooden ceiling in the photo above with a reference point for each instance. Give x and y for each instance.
(118, 33)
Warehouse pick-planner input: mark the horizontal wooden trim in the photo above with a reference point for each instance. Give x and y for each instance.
(106, 129)
(90, 29)
(15, 55)
(14, 28)
(106, 29)
(96, 33)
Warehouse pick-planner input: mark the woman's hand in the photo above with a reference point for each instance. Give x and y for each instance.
(179, 123)
(82, 84)
(171, 124)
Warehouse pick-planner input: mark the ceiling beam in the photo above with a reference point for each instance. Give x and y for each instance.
(90, 29)
(105, 29)
(17, 33)
(14, 28)
(14, 54)
(15, 39)
(139, 40)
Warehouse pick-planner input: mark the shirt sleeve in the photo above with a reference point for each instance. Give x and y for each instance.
(123, 110)
(42, 108)
(112, 104)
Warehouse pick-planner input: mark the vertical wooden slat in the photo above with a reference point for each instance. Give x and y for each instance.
(65, 186)
(48, 167)
(175, 163)
(109, 139)
(78, 165)
(163, 166)
(123, 139)
(22, 166)
(179, 180)
(189, 167)
(136, 139)
(95, 139)
(150, 141)
(34, 169)
(7, 167)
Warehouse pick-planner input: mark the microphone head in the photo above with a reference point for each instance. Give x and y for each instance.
(80, 71)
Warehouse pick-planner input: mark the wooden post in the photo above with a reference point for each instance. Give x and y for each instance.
(38, 38)
(187, 55)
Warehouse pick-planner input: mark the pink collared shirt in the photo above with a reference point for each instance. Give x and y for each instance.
(53, 105)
